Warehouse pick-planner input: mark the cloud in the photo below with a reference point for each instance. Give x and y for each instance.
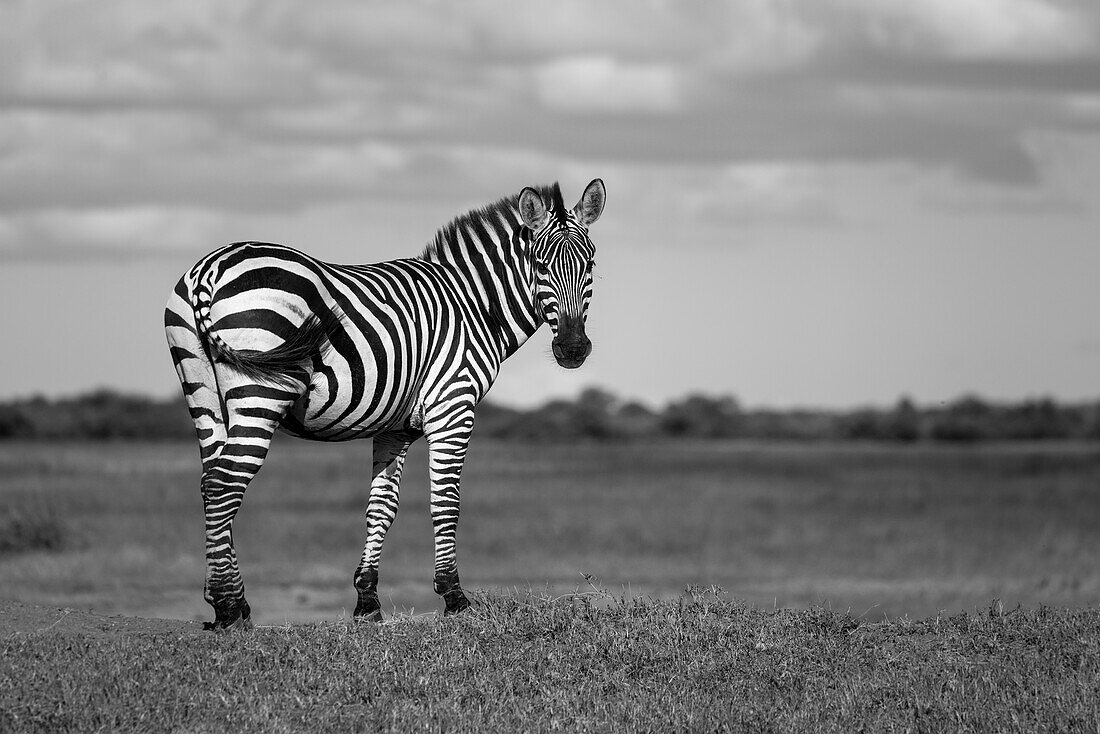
(974, 200)
(601, 84)
(754, 194)
(268, 107)
(128, 158)
(1070, 165)
(1083, 109)
(122, 54)
(93, 233)
(976, 29)
(400, 198)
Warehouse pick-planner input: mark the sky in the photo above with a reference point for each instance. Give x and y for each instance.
(808, 203)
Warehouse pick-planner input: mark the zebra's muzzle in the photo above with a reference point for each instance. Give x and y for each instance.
(571, 350)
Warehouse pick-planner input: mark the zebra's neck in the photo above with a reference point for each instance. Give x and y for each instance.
(486, 253)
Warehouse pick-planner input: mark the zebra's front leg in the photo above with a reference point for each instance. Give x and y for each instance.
(389, 458)
(447, 446)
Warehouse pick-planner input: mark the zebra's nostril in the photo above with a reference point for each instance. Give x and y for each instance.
(573, 351)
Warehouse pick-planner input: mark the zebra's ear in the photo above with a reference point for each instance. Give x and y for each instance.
(589, 208)
(532, 209)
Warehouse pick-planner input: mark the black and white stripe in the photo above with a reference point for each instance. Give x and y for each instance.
(265, 337)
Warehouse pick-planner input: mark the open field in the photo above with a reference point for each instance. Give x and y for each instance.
(518, 662)
(877, 530)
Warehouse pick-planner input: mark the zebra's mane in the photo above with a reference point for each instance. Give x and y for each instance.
(447, 236)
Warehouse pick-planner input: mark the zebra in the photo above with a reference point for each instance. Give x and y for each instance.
(264, 336)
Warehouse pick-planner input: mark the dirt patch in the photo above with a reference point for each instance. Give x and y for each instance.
(17, 618)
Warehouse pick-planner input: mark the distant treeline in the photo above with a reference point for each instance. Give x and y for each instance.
(600, 416)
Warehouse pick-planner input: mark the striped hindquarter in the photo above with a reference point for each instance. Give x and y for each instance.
(266, 337)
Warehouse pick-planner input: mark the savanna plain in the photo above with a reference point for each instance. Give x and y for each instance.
(650, 586)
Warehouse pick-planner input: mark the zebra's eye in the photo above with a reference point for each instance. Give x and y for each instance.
(540, 266)
(591, 265)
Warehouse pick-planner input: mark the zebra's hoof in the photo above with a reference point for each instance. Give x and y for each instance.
(368, 610)
(456, 603)
(234, 616)
(240, 624)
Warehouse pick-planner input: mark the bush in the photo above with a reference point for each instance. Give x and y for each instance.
(103, 414)
(703, 417)
(966, 420)
(598, 415)
(900, 424)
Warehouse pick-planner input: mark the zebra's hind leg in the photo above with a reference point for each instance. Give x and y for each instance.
(389, 458)
(253, 412)
(196, 375)
(204, 402)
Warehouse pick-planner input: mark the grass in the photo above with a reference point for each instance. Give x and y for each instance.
(579, 662)
(877, 530)
(861, 578)
(30, 527)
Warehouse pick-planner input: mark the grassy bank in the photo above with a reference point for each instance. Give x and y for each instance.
(701, 662)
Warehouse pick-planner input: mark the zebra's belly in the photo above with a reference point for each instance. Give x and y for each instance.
(337, 408)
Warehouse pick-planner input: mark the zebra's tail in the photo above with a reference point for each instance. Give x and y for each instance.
(283, 365)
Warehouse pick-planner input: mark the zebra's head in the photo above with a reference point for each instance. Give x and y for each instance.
(562, 256)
